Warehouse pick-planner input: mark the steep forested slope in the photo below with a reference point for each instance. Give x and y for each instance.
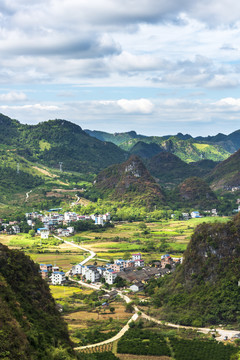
(129, 182)
(31, 327)
(144, 150)
(227, 173)
(205, 289)
(55, 141)
(170, 169)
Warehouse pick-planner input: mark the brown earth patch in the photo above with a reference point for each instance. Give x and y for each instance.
(45, 172)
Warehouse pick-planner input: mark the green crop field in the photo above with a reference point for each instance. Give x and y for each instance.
(61, 292)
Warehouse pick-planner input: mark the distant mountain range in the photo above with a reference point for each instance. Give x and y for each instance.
(30, 158)
(186, 147)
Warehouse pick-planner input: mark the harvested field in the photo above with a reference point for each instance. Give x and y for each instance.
(81, 318)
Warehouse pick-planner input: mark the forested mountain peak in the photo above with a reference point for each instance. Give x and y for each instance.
(130, 181)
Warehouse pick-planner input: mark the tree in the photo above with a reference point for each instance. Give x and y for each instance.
(112, 309)
(129, 307)
(31, 233)
(142, 226)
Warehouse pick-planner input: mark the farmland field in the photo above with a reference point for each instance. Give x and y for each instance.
(152, 240)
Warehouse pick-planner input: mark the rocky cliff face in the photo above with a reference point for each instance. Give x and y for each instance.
(213, 250)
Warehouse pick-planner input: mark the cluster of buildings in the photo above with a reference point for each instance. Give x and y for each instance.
(10, 228)
(109, 272)
(54, 219)
(52, 273)
(133, 270)
(196, 214)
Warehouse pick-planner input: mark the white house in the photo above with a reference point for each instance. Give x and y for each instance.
(63, 232)
(110, 276)
(195, 214)
(107, 217)
(44, 232)
(214, 212)
(58, 277)
(16, 229)
(70, 216)
(99, 220)
(137, 256)
(137, 287)
(77, 269)
(101, 270)
(139, 263)
(92, 275)
(71, 229)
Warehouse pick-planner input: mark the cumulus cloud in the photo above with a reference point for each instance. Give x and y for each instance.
(142, 106)
(88, 46)
(153, 46)
(230, 102)
(115, 13)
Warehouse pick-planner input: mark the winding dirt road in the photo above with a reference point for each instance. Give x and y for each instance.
(221, 332)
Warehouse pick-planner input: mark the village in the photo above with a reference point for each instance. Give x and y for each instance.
(120, 273)
(53, 219)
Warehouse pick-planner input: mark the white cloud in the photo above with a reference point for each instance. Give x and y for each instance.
(31, 106)
(13, 96)
(142, 106)
(173, 47)
(229, 102)
(223, 81)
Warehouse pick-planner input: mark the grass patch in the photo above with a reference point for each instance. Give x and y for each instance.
(59, 292)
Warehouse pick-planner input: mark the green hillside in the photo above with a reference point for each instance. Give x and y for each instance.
(204, 289)
(116, 138)
(54, 141)
(170, 170)
(129, 182)
(144, 150)
(226, 174)
(31, 326)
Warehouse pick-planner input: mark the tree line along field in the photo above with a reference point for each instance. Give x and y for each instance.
(145, 342)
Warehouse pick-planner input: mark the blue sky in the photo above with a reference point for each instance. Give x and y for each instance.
(153, 66)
